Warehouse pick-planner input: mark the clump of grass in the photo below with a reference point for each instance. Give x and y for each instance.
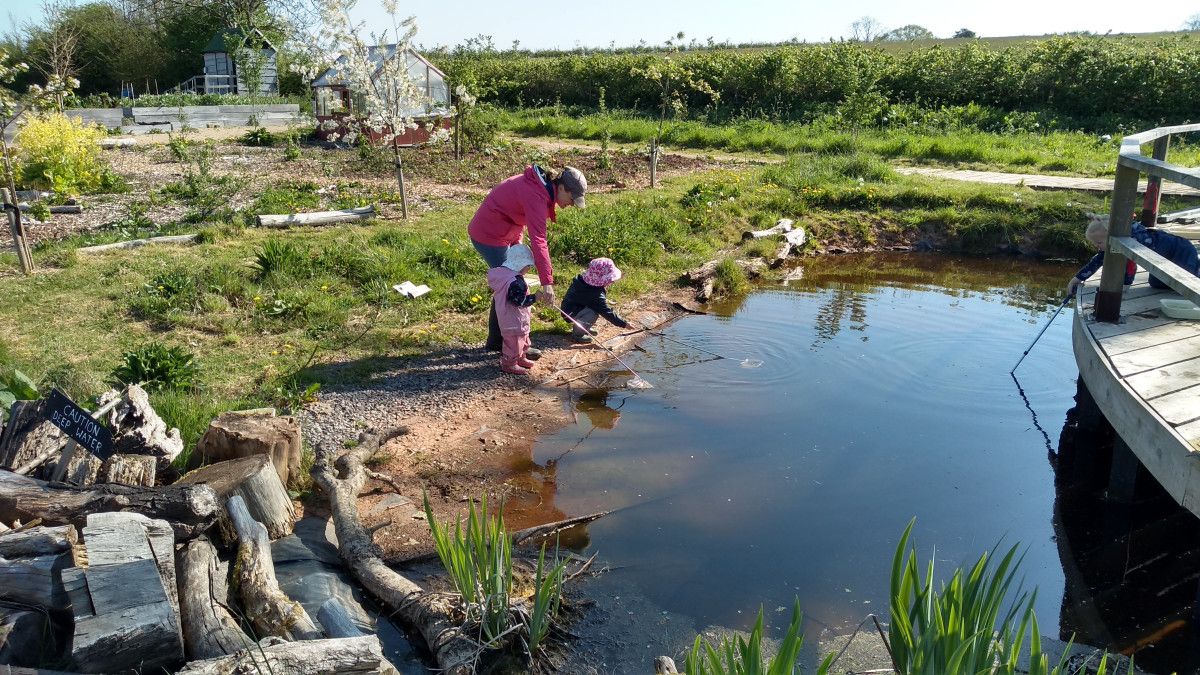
(157, 366)
(743, 656)
(279, 258)
(258, 137)
(729, 278)
(287, 198)
(547, 596)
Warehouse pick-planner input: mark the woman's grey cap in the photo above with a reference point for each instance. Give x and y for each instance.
(574, 180)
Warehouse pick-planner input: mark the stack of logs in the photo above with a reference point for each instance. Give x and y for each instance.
(122, 565)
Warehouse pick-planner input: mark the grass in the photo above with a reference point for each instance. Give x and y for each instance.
(1055, 152)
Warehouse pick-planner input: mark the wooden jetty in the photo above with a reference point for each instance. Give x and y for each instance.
(1141, 366)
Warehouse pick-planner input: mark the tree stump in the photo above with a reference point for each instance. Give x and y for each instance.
(28, 435)
(233, 435)
(124, 600)
(269, 611)
(133, 470)
(209, 631)
(254, 480)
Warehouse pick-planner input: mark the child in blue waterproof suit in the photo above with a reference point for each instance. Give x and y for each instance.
(1172, 247)
(586, 299)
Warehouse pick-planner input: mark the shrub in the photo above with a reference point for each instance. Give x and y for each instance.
(729, 278)
(158, 367)
(62, 154)
(206, 194)
(258, 137)
(179, 147)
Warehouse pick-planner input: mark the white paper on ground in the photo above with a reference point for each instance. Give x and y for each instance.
(410, 290)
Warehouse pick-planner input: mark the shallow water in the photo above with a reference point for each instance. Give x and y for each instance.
(881, 393)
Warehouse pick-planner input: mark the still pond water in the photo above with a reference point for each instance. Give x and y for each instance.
(872, 391)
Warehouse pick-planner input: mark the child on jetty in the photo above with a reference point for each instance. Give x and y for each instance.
(512, 300)
(585, 300)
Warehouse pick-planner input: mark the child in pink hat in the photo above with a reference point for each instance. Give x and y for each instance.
(586, 301)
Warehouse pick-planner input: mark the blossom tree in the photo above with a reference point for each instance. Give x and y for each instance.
(673, 81)
(374, 65)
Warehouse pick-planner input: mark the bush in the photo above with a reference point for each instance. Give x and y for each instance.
(279, 257)
(157, 367)
(61, 154)
(258, 137)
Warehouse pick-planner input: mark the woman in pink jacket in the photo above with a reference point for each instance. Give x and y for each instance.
(524, 202)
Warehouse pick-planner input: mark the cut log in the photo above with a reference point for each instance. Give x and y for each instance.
(82, 469)
(348, 656)
(39, 540)
(318, 218)
(29, 435)
(232, 436)
(26, 636)
(269, 611)
(137, 243)
(134, 470)
(35, 581)
(783, 226)
(254, 480)
(124, 601)
(209, 631)
(191, 509)
(138, 430)
(429, 615)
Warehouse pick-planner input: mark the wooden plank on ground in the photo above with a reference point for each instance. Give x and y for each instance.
(1161, 334)
(1141, 360)
(1179, 407)
(1159, 381)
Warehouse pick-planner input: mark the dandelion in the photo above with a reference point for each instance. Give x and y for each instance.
(258, 298)
(325, 287)
(446, 242)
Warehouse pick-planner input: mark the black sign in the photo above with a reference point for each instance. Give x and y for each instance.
(79, 425)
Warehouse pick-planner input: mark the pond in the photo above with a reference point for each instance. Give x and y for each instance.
(871, 391)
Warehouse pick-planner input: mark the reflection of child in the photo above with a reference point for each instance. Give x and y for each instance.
(511, 298)
(585, 301)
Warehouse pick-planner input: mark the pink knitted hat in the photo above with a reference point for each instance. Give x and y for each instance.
(601, 272)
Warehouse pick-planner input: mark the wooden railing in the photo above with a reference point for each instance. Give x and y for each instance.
(1131, 164)
(207, 84)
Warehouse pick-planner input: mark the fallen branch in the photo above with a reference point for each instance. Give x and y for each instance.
(547, 529)
(430, 615)
(190, 509)
(209, 630)
(318, 218)
(137, 243)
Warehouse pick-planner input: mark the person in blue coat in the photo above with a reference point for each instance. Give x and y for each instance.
(1172, 247)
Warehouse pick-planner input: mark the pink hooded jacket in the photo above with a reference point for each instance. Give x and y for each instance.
(517, 203)
(513, 320)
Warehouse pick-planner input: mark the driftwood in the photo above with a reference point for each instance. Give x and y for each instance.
(209, 631)
(190, 509)
(83, 468)
(62, 208)
(428, 614)
(793, 239)
(349, 656)
(137, 243)
(318, 218)
(236, 435)
(40, 540)
(269, 611)
(547, 529)
(35, 580)
(664, 665)
(782, 227)
(254, 480)
(135, 470)
(124, 600)
(137, 429)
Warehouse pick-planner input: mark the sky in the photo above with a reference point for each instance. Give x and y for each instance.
(600, 23)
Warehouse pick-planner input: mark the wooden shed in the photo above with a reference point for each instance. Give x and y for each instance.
(233, 59)
(333, 100)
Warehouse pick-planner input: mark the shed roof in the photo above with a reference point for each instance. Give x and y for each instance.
(377, 55)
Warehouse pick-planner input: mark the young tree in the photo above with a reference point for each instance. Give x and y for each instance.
(1193, 22)
(673, 80)
(865, 29)
(58, 44)
(375, 66)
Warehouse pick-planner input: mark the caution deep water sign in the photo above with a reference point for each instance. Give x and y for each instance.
(78, 424)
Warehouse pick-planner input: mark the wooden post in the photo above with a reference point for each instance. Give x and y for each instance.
(18, 230)
(1154, 185)
(400, 178)
(1112, 278)
(458, 136)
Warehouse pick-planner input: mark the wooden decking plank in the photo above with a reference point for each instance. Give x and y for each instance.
(1180, 407)
(1142, 304)
(1165, 380)
(1160, 334)
(1131, 293)
(1141, 360)
(1191, 432)
(1130, 324)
